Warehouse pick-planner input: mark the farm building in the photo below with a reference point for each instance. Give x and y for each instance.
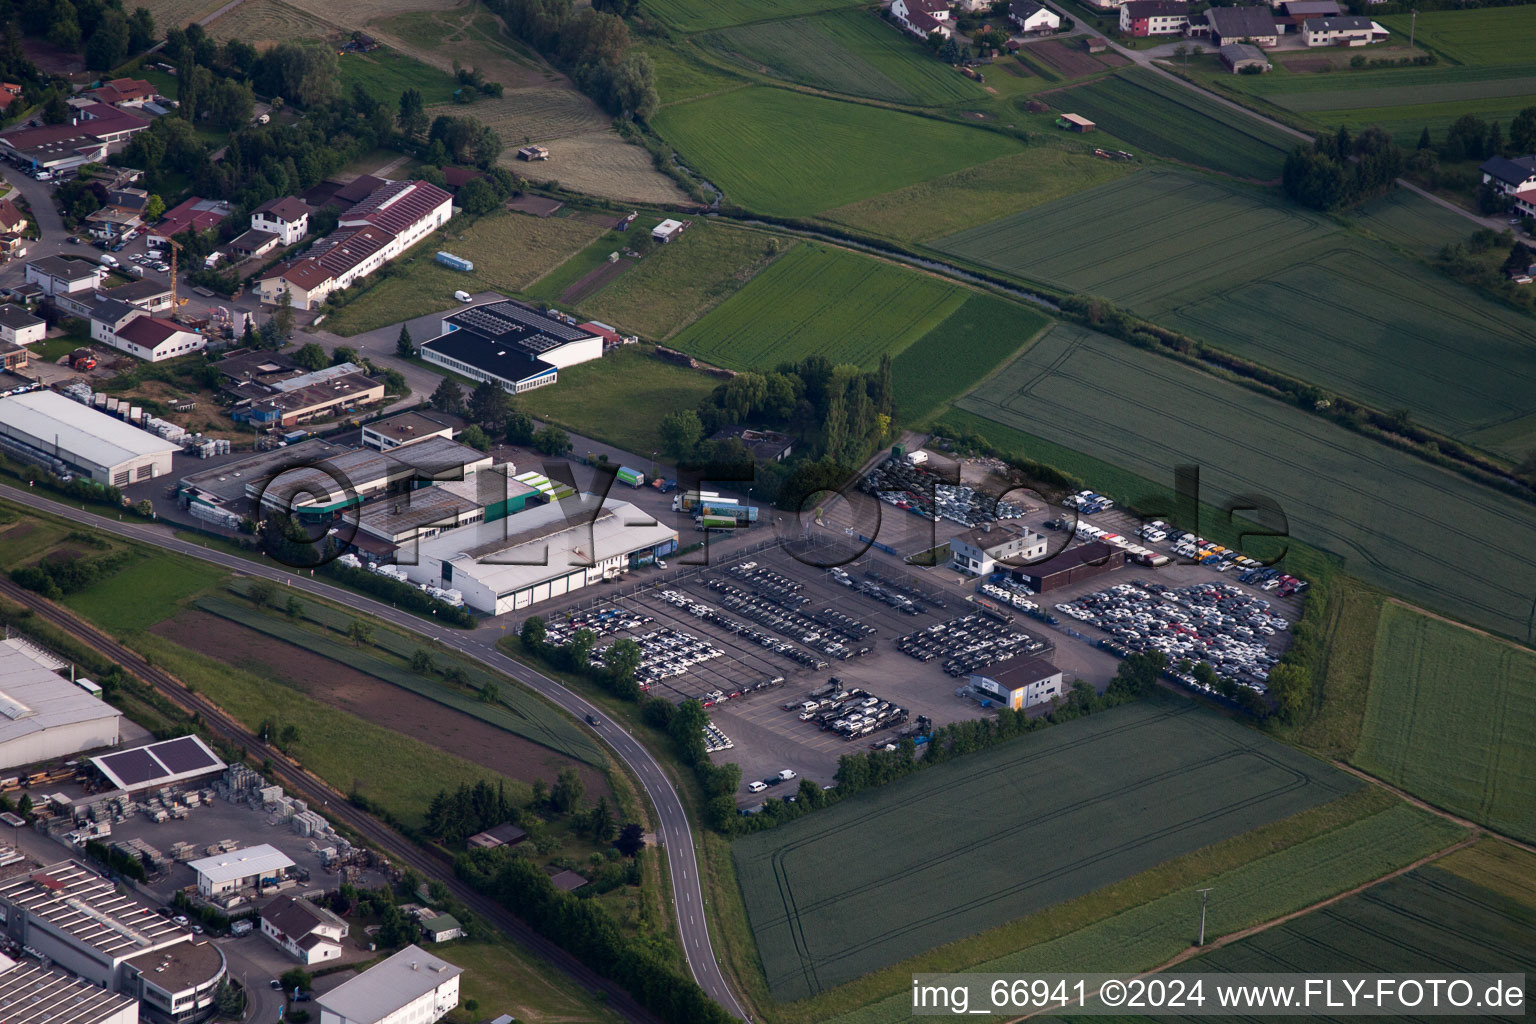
(1510, 176)
(667, 230)
(42, 714)
(1143, 18)
(520, 561)
(238, 870)
(157, 765)
(411, 987)
(922, 18)
(1075, 123)
(1080, 563)
(1255, 25)
(308, 933)
(533, 153)
(1019, 683)
(505, 834)
(512, 346)
(407, 427)
(1096, 44)
(19, 327)
(978, 551)
(1240, 56)
(1298, 11)
(440, 927)
(1346, 31)
(31, 991)
(1031, 16)
(49, 428)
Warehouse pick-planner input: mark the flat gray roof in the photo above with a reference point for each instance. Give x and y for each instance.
(34, 699)
(32, 994)
(384, 988)
(49, 418)
(74, 900)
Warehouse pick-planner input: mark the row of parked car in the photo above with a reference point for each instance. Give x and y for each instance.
(912, 488)
(730, 625)
(851, 713)
(968, 642)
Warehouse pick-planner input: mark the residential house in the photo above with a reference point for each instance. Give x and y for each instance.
(308, 933)
(505, 834)
(19, 327)
(253, 243)
(1525, 202)
(124, 92)
(12, 220)
(60, 275)
(1346, 31)
(287, 218)
(122, 212)
(1141, 18)
(1031, 17)
(1255, 25)
(1510, 176)
(923, 17)
(195, 214)
(981, 550)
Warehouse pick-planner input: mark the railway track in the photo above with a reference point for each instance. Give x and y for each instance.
(429, 863)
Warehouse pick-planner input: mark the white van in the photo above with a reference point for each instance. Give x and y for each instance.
(106, 259)
(464, 296)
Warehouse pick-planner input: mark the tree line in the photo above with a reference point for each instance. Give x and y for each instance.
(1339, 170)
(101, 30)
(592, 44)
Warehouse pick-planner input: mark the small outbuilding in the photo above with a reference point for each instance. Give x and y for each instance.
(1075, 123)
(667, 230)
(1239, 57)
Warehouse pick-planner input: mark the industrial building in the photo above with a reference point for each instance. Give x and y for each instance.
(509, 345)
(287, 400)
(1019, 683)
(1071, 566)
(156, 765)
(79, 921)
(407, 427)
(318, 489)
(20, 327)
(308, 933)
(411, 987)
(239, 870)
(539, 554)
(43, 715)
(31, 993)
(48, 428)
(978, 551)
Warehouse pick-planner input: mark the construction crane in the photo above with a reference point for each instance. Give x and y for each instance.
(175, 248)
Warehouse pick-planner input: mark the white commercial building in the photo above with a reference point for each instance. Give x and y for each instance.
(980, 550)
(411, 987)
(1020, 683)
(20, 327)
(31, 993)
(43, 715)
(102, 447)
(509, 345)
(250, 868)
(539, 553)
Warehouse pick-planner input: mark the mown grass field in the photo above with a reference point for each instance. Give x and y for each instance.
(938, 857)
(584, 399)
(701, 15)
(387, 73)
(977, 195)
(147, 591)
(817, 300)
(1393, 519)
(855, 52)
(790, 154)
(1452, 719)
(971, 342)
(678, 282)
(1165, 118)
(510, 252)
(1493, 35)
(1273, 881)
(1249, 274)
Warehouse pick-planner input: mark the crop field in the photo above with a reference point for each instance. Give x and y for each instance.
(264, 23)
(388, 73)
(361, 12)
(980, 194)
(702, 15)
(1129, 932)
(1440, 89)
(972, 341)
(1494, 35)
(510, 251)
(791, 154)
(854, 52)
(539, 113)
(1228, 265)
(679, 282)
(1393, 519)
(600, 163)
(1452, 719)
(680, 75)
(1408, 220)
(178, 13)
(468, 34)
(816, 300)
(939, 856)
(149, 589)
(1169, 120)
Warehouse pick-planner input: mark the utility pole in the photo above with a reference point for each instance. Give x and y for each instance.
(1413, 23)
(1204, 895)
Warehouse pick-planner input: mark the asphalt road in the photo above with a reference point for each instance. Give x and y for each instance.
(672, 829)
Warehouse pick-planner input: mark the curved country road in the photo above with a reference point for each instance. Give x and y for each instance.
(672, 827)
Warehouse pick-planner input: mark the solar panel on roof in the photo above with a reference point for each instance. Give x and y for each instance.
(133, 766)
(183, 755)
(539, 343)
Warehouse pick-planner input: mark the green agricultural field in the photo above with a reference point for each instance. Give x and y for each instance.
(1393, 519)
(682, 76)
(1165, 118)
(1452, 719)
(148, 590)
(817, 300)
(972, 341)
(1415, 224)
(680, 281)
(702, 15)
(791, 154)
(1493, 35)
(936, 857)
(1276, 881)
(386, 73)
(855, 52)
(977, 195)
(1253, 275)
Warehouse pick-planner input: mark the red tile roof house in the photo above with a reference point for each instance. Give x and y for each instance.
(124, 92)
(153, 339)
(197, 214)
(12, 220)
(923, 17)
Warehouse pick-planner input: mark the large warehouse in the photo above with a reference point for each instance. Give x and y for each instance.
(538, 554)
(509, 345)
(1080, 563)
(47, 426)
(31, 993)
(43, 715)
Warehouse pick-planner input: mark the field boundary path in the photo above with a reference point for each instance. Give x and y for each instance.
(672, 828)
(1425, 805)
